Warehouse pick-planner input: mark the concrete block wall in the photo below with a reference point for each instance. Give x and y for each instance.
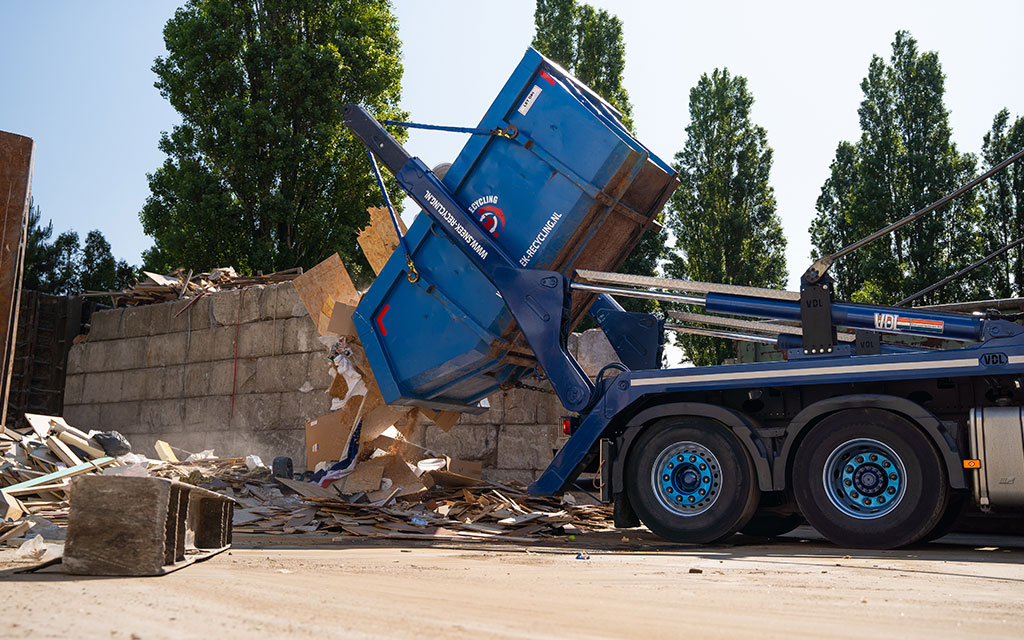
(517, 437)
(163, 372)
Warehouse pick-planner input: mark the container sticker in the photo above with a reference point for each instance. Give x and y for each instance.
(530, 99)
(538, 242)
(491, 217)
(893, 322)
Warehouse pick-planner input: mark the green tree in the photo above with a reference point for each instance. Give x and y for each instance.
(1002, 199)
(905, 159)
(588, 43)
(723, 215)
(100, 271)
(67, 273)
(40, 255)
(262, 174)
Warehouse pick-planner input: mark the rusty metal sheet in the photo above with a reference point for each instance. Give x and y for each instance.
(16, 154)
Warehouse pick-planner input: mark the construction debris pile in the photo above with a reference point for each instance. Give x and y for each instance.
(37, 465)
(181, 284)
(399, 490)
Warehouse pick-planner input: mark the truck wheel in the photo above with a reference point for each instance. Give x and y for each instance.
(956, 507)
(690, 480)
(776, 515)
(869, 479)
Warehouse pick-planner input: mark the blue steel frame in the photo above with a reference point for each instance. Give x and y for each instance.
(539, 302)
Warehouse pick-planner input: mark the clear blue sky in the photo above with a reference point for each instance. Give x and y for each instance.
(77, 79)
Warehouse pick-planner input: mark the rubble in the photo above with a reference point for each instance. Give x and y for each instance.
(181, 284)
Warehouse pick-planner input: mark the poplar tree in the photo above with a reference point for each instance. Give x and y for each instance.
(904, 160)
(724, 213)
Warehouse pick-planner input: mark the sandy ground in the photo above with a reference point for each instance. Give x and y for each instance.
(797, 586)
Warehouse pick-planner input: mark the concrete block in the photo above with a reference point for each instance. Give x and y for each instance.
(465, 441)
(594, 351)
(105, 325)
(123, 354)
(102, 386)
(521, 407)
(257, 411)
(119, 416)
(504, 476)
(496, 414)
(165, 350)
(280, 442)
(160, 416)
(281, 373)
(244, 374)
(525, 446)
(82, 416)
(94, 355)
(209, 378)
(224, 306)
(73, 385)
(211, 344)
(299, 335)
(195, 318)
(135, 384)
(138, 321)
(163, 383)
(297, 408)
(549, 409)
(256, 340)
(208, 413)
(318, 371)
(278, 301)
(76, 357)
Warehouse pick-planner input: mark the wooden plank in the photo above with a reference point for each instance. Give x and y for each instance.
(63, 473)
(61, 450)
(85, 446)
(16, 157)
(365, 477)
(164, 451)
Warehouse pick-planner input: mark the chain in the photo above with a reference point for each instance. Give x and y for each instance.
(522, 385)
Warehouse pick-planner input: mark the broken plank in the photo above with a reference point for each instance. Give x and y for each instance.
(308, 489)
(63, 473)
(61, 450)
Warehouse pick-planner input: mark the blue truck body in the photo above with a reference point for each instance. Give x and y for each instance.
(486, 310)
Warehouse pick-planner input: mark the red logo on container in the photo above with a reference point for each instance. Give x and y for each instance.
(492, 219)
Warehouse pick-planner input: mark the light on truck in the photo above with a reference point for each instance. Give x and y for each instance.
(972, 464)
(567, 426)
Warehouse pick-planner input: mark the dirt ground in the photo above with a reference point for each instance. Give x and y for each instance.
(796, 586)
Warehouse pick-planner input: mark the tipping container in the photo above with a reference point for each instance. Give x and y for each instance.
(568, 187)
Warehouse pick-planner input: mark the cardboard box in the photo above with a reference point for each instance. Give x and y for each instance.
(341, 320)
(327, 436)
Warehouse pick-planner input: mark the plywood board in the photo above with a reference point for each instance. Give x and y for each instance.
(321, 287)
(379, 240)
(365, 477)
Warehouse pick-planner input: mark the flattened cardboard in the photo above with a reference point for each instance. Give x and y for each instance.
(327, 436)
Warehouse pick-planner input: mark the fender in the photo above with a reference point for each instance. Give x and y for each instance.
(810, 414)
(740, 424)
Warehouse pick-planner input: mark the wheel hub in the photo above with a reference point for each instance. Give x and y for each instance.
(864, 478)
(686, 478)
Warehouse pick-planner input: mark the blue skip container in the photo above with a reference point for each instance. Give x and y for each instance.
(569, 188)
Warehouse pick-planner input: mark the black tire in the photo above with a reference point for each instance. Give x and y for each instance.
(282, 467)
(954, 509)
(858, 503)
(727, 479)
(777, 514)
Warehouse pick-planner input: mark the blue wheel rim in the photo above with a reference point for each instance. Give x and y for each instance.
(686, 478)
(864, 479)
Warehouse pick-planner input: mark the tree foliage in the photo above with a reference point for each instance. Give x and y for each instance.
(588, 43)
(66, 267)
(723, 214)
(1002, 199)
(262, 174)
(904, 160)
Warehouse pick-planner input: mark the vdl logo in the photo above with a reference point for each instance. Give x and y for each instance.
(996, 359)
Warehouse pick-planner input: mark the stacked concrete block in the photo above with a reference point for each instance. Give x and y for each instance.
(223, 373)
(518, 436)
